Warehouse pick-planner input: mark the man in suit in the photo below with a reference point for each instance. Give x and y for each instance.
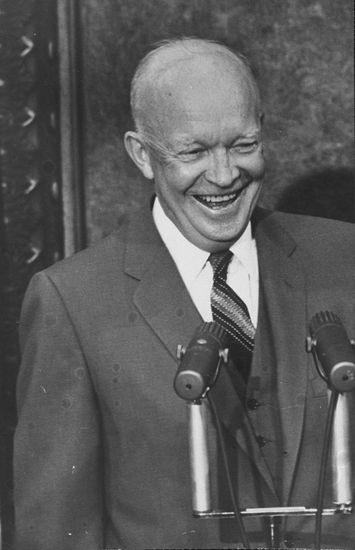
(101, 451)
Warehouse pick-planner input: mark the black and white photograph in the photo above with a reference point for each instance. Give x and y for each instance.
(177, 275)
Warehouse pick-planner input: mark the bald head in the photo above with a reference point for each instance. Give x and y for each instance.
(178, 66)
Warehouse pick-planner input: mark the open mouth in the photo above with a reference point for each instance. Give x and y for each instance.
(218, 201)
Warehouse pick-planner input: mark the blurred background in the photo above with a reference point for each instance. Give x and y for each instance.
(65, 68)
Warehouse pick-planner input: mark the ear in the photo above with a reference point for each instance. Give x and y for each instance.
(137, 150)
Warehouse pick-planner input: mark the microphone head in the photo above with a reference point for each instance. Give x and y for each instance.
(333, 350)
(199, 363)
(324, 318)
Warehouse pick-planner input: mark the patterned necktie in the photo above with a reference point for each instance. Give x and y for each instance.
(231, 313)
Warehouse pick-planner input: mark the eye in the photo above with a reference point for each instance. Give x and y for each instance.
(245, 147)
(192, 154)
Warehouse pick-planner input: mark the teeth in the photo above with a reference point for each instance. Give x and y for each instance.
(217, 198)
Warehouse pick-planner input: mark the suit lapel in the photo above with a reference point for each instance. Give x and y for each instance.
(161, 295)
(280, 339)
(165, 304)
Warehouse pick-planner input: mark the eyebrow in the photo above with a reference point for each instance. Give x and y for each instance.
(185, 142)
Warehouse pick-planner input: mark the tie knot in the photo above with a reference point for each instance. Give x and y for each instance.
(219, 261)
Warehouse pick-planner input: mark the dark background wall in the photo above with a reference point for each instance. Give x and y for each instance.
(31, 228)
(302, 54)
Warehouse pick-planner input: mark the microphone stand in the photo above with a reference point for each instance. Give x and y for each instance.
(323, 469)
(198, 452)
(341, 461)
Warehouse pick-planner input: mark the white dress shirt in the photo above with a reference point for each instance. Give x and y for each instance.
(197, 272)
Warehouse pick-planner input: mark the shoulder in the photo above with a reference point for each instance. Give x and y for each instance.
(93, 278)
(322, 248)
(311, 231)
(70, 284)
(107, 256)
(104, 266)
(301, 223)
(108, 250)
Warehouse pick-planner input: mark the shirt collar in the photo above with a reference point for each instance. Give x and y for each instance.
(190, 259)
(245, 248)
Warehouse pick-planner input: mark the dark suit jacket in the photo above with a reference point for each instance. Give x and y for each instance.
(101, 451)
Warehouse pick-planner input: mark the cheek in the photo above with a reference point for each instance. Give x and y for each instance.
(169, 186)
(177, 181)
(255, 165)
(259, 164)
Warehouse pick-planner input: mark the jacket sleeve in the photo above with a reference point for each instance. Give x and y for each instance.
(57, 463)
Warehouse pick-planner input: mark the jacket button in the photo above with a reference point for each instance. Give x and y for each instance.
(252, 404)
(261, 440)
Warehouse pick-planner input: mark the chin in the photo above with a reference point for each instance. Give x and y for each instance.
(229, 236)
(215, 243)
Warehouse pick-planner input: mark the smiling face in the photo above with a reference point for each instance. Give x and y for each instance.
(207, 159)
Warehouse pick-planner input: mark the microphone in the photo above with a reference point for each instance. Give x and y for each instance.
(200, 361)
(331, 345)
(197, 372)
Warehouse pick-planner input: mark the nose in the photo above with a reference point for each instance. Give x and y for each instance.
(221, 171)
